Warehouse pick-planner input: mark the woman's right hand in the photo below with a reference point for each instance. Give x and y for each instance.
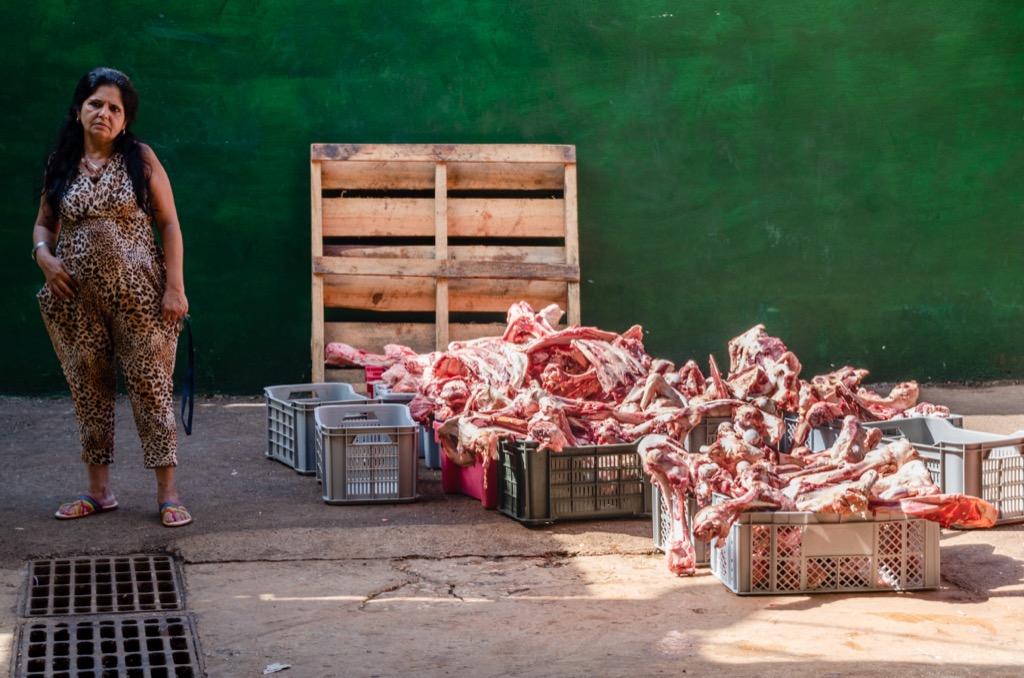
(59, 277)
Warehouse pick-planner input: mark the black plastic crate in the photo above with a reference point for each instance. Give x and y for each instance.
(579, 483)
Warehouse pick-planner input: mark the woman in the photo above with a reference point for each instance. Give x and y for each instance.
(111, 296)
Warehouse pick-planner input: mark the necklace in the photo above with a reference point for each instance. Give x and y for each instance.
(92, 169)
(96, 168)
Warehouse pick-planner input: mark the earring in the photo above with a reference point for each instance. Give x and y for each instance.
(123, 130)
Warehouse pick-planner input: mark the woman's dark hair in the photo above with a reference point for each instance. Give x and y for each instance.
(62, 163)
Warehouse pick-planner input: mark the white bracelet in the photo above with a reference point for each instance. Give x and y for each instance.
(41, 243)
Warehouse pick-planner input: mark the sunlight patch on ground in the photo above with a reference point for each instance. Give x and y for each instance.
(6, 642)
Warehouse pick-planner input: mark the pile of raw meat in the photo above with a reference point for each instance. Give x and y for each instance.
(562, 388)
(744, 463)
(586, 386)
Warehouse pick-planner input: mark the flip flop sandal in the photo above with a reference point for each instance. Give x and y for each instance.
(167, 512)
(82, 507)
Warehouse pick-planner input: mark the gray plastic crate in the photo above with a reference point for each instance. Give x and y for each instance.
(290, 427)
(661, 519)
(824, 437)
(579, 483)
(976, 463)
(798, 552)
(706, 431)
(430, 451)
(367, 453)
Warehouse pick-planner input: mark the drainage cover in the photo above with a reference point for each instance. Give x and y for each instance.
(155, 646)
(103, 585)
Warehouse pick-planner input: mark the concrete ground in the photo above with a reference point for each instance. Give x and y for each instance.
(443, 587)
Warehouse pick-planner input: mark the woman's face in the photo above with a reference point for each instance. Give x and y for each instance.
(102, 114)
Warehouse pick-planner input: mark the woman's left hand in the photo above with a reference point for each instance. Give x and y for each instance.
(175, 305)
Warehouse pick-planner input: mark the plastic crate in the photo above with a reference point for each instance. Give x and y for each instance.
(386, 395)
(705, 432)
(798, 552)
(291, 431)
(578, 483)
(825, 436)
(661, 519)
(474, 481)
(979, 464)
(367, 453)
(430, 451)
(373, 374)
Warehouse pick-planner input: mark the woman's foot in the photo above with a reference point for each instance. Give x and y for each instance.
(84, 506)
(174, 514)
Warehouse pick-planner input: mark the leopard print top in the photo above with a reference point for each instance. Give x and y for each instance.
(104, 232)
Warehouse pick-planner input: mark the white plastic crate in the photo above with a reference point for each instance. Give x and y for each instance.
(290, 426)
(366, 453)
(976, 463)
(662, 522)
(798, 552)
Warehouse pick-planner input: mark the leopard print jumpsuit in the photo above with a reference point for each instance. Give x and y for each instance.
(109, 244)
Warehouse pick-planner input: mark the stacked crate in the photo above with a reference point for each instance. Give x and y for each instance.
(291, 428)
(422, 245)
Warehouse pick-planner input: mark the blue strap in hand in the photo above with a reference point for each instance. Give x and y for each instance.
(188, 391)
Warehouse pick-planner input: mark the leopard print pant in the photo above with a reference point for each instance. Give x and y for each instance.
(115, 318)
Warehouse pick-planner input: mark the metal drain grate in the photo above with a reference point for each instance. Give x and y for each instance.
(103, 585)
(112, 647)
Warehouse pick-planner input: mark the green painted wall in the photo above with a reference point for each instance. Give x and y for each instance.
(846, 172)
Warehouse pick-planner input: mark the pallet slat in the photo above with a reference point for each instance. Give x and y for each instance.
(510, 253)
(417, 294)
(444, 269)
(417, 336)
(384, 220)
(466, 217)
(489, 153)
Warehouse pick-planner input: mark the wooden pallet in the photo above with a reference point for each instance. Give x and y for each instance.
(425, 244)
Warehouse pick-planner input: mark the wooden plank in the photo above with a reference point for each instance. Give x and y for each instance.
(417, 336)
(531, 153)
(411, 294)
(506, 218)
(467, 176)
(572, 254)
(373, 336)
(378, 293)
(376, 176)
(427, 268)
(356, 376)
(502, 252)
(469, 331)
(316, 342)
(378, 217)
(496, 296)
(441, 252)
(467, 217)
(441, 207)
